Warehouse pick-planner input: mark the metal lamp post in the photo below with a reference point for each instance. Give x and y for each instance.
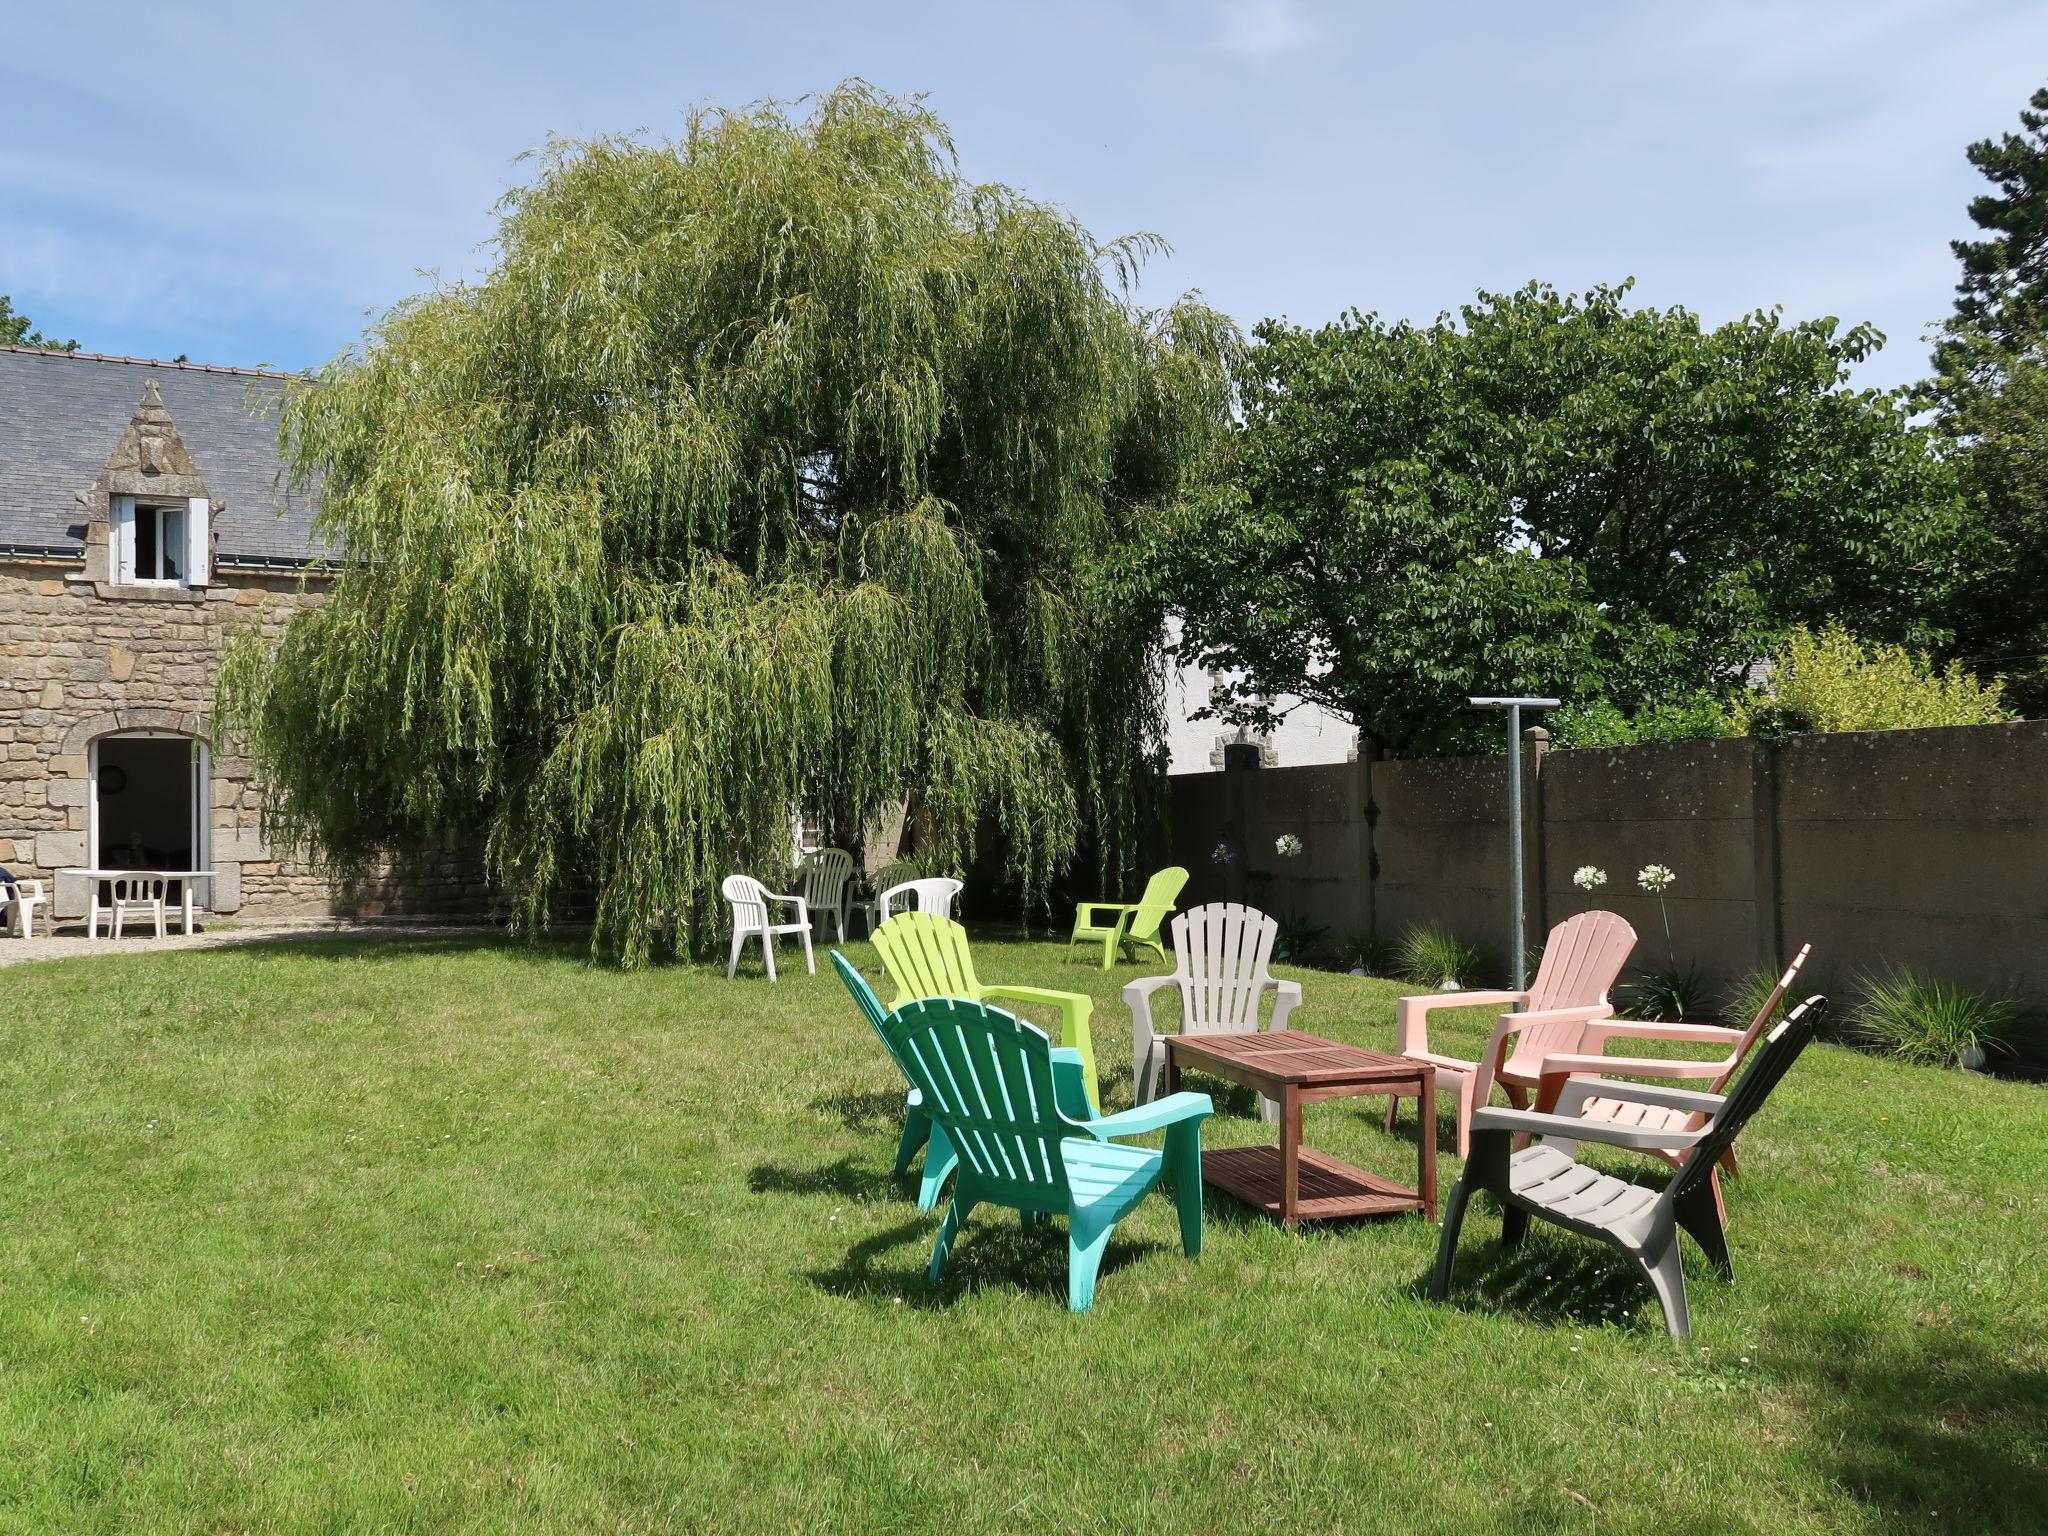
(1514, 707)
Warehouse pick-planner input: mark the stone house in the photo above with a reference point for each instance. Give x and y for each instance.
(142, 526)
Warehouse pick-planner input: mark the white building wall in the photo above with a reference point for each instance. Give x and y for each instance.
(1307, 735)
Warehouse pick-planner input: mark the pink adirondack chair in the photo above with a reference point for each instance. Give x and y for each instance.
(1570, 1080)
(1581, 959)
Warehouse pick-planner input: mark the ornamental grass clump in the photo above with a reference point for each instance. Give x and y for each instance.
(1914, 1017)
(770, 467)
(1432, 956)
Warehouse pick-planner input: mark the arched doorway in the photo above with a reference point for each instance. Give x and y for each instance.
(148, 801)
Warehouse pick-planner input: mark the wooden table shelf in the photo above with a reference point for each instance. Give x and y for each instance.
(1290, 1181)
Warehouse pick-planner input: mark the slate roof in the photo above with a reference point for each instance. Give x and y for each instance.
(61, 414)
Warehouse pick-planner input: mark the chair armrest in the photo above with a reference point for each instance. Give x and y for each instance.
(1569, 1128)
(1630, 1066)
(1411, 1014)
(1067, 1002)
(1637, 1093)
(1083, 908)
(772, 896)
(1286, 998)
(1636, 1029)
(1137, 997)
(32, 890)
(1174, 1109)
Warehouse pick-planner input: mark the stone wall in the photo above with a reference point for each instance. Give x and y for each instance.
(1920, 848)
(80, 659)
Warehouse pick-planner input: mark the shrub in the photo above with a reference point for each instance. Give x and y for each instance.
(1298, 937)
(1433, 956)
(1745, 999)
(1603, 724)
(1678, 992)
(1831, 681)
(1367, 952)
(1916, 1018)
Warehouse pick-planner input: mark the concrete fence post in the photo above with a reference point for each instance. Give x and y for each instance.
(1536, 860)
(1767, 864)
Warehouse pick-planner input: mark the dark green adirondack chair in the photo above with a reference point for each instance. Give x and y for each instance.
(918, 1130)
(1016, 1109)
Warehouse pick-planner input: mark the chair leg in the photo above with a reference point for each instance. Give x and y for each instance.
(117, 920)
(1086, 1244)
(917, 1130)
(810, 964)
(1465, 1096)
(1700, 1219)
(1145, 1067)
(768, 952)
(160, 920)
(1447, 1245)
(1109, 948)
(939, 1162)
(964, 1201)
(733, 965)
(1667, 1279)
(1514, 1227)
(1394, 1110)
(1183, 1167)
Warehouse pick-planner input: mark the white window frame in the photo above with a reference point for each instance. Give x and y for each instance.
(197, 538)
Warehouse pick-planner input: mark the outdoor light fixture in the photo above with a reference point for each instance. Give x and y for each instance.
(1514, 707)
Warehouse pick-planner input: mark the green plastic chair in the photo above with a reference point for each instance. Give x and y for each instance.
(1013, 1106)
(1134, 926)
(927, 956)
(918, 1130)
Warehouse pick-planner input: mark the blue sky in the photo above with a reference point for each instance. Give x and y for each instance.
(246, 183)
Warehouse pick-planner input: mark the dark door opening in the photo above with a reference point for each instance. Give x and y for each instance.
(148, 802)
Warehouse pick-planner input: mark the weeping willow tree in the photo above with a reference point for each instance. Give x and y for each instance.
(771, 467)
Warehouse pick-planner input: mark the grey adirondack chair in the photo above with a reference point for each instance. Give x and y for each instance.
(1220, 953)
(1546, 1180)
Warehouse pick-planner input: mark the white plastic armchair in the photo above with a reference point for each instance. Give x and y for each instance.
(752, 919)
(828, 882)
(1582, 959)
(933, 894)
(139, 897)
(1220, 952)
(20, 899)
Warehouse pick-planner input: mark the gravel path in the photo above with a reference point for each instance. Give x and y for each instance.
(75, 945)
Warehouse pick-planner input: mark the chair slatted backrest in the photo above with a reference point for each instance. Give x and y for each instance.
(1763, 1018)
(926, 956)
(986, 1076)
(826, 872)
(1770, 1062)
(864, 996)
(133, 889)
(1582, 959)
(749, 901)
(1161, 892)
(889, 876)
(1220, 953)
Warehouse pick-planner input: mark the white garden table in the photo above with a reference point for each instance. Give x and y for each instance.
(186, 878)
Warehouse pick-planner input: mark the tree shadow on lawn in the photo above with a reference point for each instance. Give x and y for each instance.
(1926, 1424)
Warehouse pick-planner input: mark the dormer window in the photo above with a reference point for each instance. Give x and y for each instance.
(159, 543)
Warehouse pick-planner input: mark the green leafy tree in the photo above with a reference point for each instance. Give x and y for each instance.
(17, 331)
(766, 468)
(1990, 391)
(1551, 493)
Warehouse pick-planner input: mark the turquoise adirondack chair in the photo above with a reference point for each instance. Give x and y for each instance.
(1130, 926)
(1016, 1109)
(918, 1130)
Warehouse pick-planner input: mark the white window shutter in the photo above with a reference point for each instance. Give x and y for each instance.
(197, 541)
(121, 527)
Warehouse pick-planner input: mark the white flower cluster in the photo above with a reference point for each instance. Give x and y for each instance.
(1654, 877)
(1287, 845)
(1589, 877)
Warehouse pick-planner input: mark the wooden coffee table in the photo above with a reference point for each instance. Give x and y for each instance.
(1294, 1182)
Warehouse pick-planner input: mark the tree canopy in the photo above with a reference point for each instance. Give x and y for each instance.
(1552, 494)
(768, 468)
(17, 330)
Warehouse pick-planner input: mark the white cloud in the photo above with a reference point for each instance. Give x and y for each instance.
(1260, 31)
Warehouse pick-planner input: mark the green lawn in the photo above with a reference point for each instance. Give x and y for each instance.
(446, 1235)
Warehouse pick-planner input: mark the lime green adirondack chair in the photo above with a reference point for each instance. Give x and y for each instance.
(927, 956)
(918, 1130)
(1013, 1106)
(1134, 926)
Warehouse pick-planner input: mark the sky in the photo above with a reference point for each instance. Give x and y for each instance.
(250, 184)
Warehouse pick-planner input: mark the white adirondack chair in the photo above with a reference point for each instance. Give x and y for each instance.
(887, 878)
(933, 894)
(750, 919)
(1220, 953)
(139, 897)
(22, 897)
(828, 879)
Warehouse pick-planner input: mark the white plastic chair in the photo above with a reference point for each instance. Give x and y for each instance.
(1220, 953)
(23, 897)
(750, 919)
(932, 894)
(139, 898)
(887, 878)
(828, 878)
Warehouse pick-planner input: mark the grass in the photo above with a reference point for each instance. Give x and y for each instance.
(450, 1236)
